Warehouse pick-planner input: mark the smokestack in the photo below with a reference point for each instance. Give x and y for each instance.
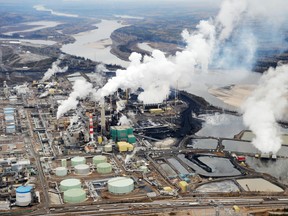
(103, 123)
(91, 130)
(127, 95)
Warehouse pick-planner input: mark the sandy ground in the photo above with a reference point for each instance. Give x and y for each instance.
(234, 95)
(101, 44)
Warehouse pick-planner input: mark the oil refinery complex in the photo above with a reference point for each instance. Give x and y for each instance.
(122, 156)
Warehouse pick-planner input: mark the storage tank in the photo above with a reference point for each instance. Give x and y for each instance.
(78, 160)
(68, 184)
(108, 148)
(23, 195)
(120, 185)
(63, 162)
(143, 169)
(75, 195)
(61, 171)
(104, 168)
(99, 159)
(82, 169)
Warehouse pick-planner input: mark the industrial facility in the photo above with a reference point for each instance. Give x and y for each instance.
(91, 156)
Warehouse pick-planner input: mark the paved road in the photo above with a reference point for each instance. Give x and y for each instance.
(167, 206)
(39, 166)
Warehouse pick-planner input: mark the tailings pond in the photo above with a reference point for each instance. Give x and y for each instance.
(276, 168)
(210, 144)
(210, 165)
(220, 125)
(218, 187)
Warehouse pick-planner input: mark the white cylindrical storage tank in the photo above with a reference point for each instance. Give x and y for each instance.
(120, 185)
(104, 168)
(82, 169)
(78, 160)
(74, 195)
(68, 184)
(63, 162)
(23, 195)
(61, 171)
(108, 148)
(99, 159)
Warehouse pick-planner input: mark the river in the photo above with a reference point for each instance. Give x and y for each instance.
(96, 44)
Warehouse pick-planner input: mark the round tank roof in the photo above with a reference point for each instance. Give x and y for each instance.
(70, 184)
(24, 189)
(76, 195)
(120, 181)
(103, 165)
(61, 168)
(99, 157)
(80, 159)
(70, 181)
(82, 166)
(61, 171)
(74, 192)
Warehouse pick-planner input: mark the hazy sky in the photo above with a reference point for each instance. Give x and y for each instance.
(208, 2)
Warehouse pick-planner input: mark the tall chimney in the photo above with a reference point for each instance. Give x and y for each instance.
(91, 130)
(103, 123)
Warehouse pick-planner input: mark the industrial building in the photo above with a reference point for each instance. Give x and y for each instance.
(122, 133)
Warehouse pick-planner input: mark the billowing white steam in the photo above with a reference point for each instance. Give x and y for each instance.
(74, 119)
(265, 106)
(124, 121)
(156, 74)
(56, 13)
(229, 16)
(81, 90)
(53, 70)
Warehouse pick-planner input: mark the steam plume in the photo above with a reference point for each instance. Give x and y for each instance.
(56, 13)
(124, 121)
(265, 106)
(53, 70)
(157, 73)
(81, 90)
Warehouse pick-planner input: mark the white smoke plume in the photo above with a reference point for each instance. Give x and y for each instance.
(81, 90)
(73, 119)
(56, 13)
(265, 106)
(53, 70)
(229, 16)
(211, 41)
(124, 121)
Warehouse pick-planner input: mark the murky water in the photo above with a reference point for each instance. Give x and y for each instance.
(221, 125)
(203, 144)
(96, 44)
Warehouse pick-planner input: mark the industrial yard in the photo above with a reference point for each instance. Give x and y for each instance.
(123, 151)
(95, 121)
